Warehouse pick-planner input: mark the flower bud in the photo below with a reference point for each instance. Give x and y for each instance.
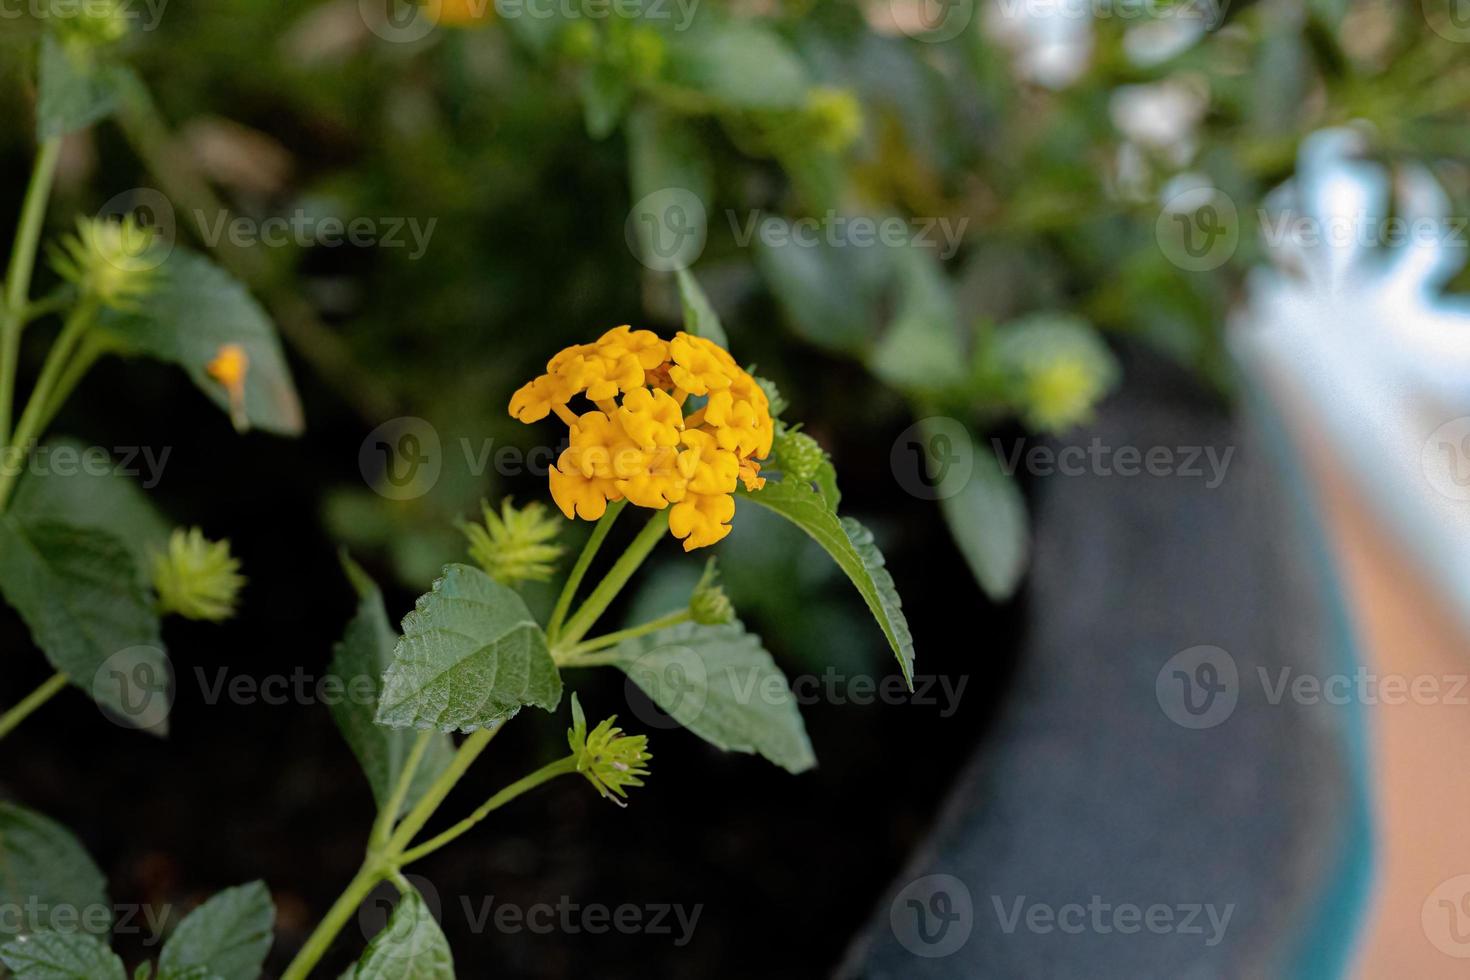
(799, 455)
(515, 545)
(197, 578)
(709, 606)
(610, 760)
(114, 262)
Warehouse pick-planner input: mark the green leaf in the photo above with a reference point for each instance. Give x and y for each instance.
(700, 318)
(988, 521)
(366, 651)
(721, 684)
(829, 296)
(193, 310)
(42, 866)
(851, 546)
(229, 935)
(61, 956)
(75, 87)
(87, 608)
(410, 947)
(471, 655)
(95, 495)
(921, 348)
(605, 95)
(740, 65)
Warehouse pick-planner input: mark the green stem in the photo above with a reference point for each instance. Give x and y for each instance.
(388, 815)
(526, 783)
(18, 275)
(469, 751)
(38, 408)
(337, 916)
(574, 656)
(91, 348)
(31, 703)
(579, 570)
(608, 589)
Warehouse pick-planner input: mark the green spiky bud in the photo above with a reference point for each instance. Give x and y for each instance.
(709, 606)
(114, 262)
(197, 578)
(799, 455)
(516, 545)
(610, 760)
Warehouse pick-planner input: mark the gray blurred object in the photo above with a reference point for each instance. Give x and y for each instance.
(1096, 787)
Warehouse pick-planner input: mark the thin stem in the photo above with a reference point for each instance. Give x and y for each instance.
(524, 784)
(38, 407)
(572, 656)
(337, 916)
(31, 703)
(18, 274)
(388, 815)
(579, 570)
(607, 590)
(91, 348)
(469, 751)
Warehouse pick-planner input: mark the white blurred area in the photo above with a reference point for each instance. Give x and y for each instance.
(1351, 326)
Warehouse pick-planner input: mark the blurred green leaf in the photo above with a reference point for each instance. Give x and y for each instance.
(195, 309)
(228, 936)
(61, 956)
(76, 88)
(43, 866)
(700, 318)
(87, 608)
(921, 348)
(987, 519)
(739, 64)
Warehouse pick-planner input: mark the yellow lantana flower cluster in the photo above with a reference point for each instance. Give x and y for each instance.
(646, 442)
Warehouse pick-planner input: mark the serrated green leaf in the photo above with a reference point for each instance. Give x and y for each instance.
(86, 497)
(722, 685)
(851, 545)
(61, 956)
(470, 657)
(83, 599)
(366, 651)
(188, 973)
(987, 519)
(700, 318)
(75, 88)
(740, 65)
(43, 867)
(410, 947)
(193, 310)
(229, 935)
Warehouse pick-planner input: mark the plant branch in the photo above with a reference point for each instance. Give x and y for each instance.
(469, 751)
(575, 656)
(388, 815)
(18, 274)
(31, 703)
(526, 783)
(607, 590)
(579, 570)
